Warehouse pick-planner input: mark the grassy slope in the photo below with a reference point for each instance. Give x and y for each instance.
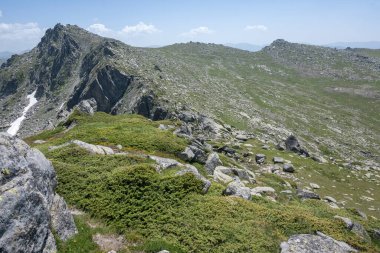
(156, 211)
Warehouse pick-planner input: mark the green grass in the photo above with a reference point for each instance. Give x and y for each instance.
(164, 211)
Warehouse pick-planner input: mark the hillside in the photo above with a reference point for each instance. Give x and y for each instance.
(291, 132)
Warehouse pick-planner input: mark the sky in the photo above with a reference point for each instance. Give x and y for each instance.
(163, 22)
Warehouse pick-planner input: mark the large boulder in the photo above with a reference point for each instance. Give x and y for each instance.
(319, 243)
(212, 162)
(191, 169)
(238, 189)
(29, 206)
(226, 174)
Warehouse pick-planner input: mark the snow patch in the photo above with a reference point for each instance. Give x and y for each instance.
(15, 126)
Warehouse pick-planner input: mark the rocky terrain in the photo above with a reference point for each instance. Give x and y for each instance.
(235, 148)
(30, 208)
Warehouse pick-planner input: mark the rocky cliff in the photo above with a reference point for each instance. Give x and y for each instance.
(31, 210)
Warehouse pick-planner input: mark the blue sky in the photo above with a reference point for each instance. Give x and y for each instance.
(149, 22)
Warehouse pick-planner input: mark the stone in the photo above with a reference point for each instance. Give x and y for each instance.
(61, 219)
(237, 188)
(187, 116)
(193, 170)
(277, 159)
(88, 106)
(286, 192)
(330, 199)
(119, 147)
(200, 156)
(221, 174)
(27, 194)
(314, 186)
(225, 174)
(281, 146)
(266, 147)
(212, 162)
(292, 144)
(94, 149)
(260, 158)
(165, 163)
(305, 194)
(163, 251)
(288, 168)
(320, 243)
(319, 159)
(376, 233)
(39, 142)
(355, 227)
(262, 190)
(187, 155)
(227, 150)
(242, 137)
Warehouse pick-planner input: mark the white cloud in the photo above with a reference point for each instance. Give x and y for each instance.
(262, 28)
(16, 37)
(18, 31)
(99, 29)
(140, 28)
(197, 31)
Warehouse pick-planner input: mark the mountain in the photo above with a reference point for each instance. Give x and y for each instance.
(4, 56)
(367, 44)
(245, 46)
(232, 151)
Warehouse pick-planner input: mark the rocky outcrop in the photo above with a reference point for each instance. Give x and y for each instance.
(320, 243)
(30, 209)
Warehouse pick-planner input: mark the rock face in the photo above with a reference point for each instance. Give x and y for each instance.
(320, 243)
(28, 202)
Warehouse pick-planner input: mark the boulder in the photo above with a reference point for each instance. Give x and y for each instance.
(28, 200)
(262, 190)
(94, 149)
(187, 116)
(200, 156)
(164, 163)
(225, 174)
(187, 155)
(212, 162)
(242, 137)
(376, 233)
(330, 199)
(88, 106)
(260, 158)
(288, 168)
(237, 188)
(277, 159)
(320, 243)
(319, 159)
(292, 144)
(355, 227)
(314, 186)
(305, 194)
(191, 169)
(221, 174)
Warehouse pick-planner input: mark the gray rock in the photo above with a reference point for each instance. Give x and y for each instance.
(165, 163)
(88, 106)
(94, 149)
(355, 227)
(200, 156)
(225, 174)
(61, 219)
(187, 116)
(330, 199)
(281, 146)
(191, 169)
(212, 162)
(27, 190)
(242, 137)
(286, 192)
(314, 186)
(305, 194)
(319, 159)
(277, 159)
(187, 155)
(262, 190)
(320, 243)
(376, 233)
(288, 168)
(260, 158)
(266, 147)
(163, 251)
(237, 188)
(184, 131)
(221, 174)
(39, 142)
